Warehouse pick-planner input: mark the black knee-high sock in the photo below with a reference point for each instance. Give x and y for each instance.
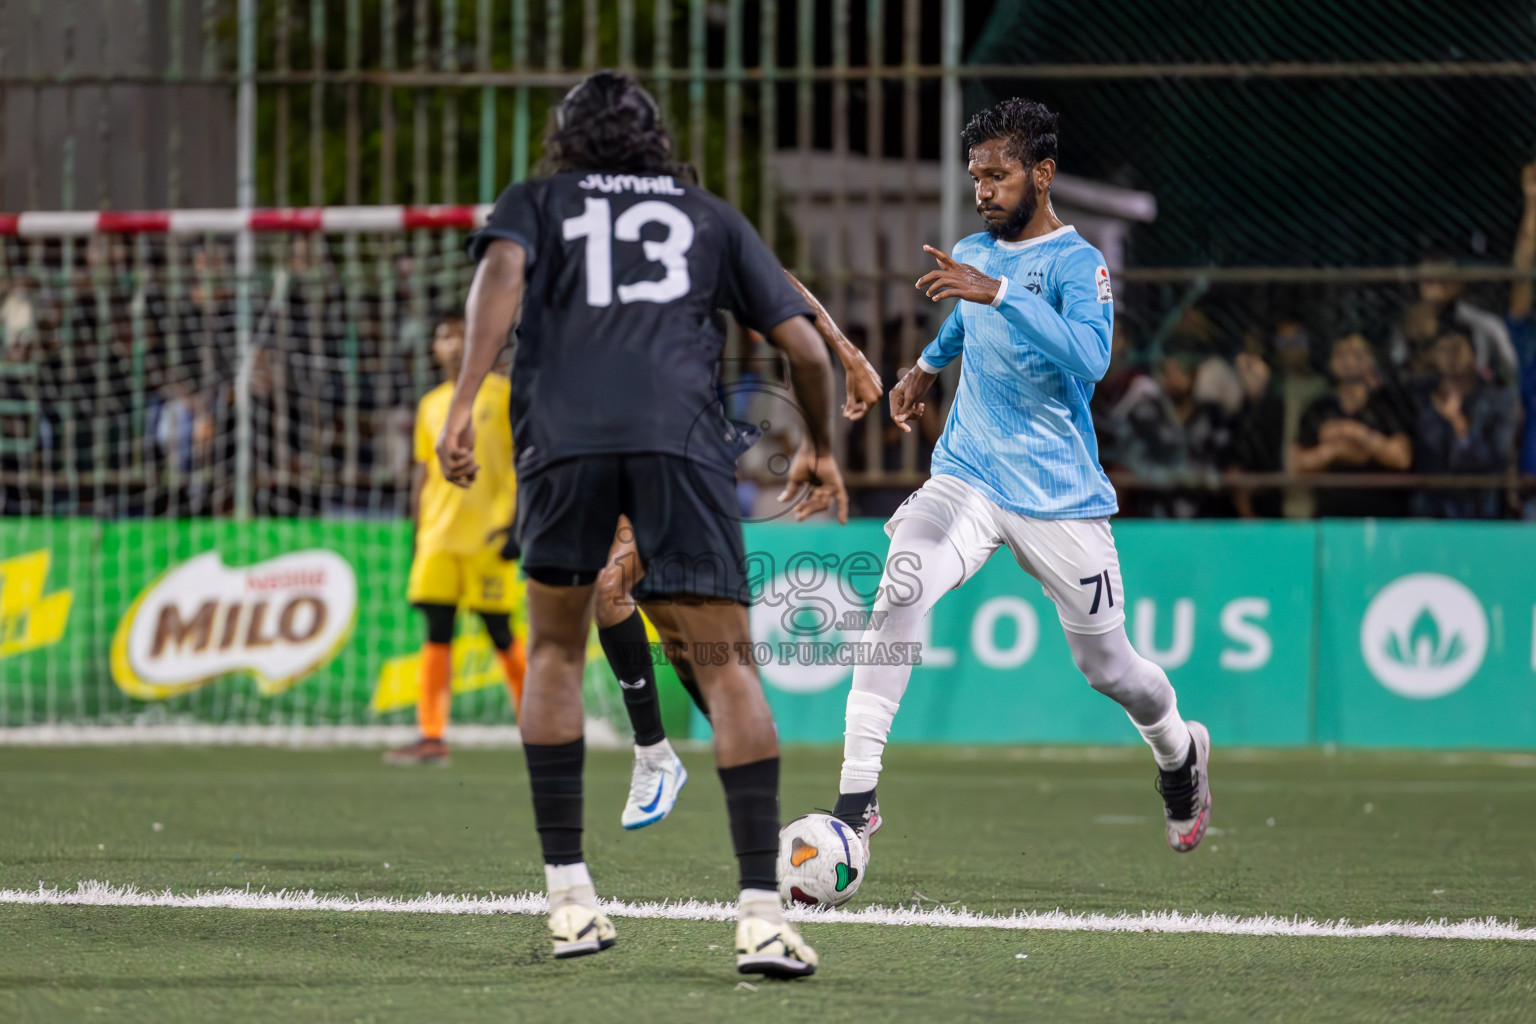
(752, 801)
(554, 773)
(629, 652)
(684, 670)
(852, 809)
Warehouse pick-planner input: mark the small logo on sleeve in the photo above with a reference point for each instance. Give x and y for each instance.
(1101, 277)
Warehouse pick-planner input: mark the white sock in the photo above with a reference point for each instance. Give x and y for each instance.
(762, 903)
(877, 689)
(569, 883)
(868, 723)
(660, 752)
(1169, 740)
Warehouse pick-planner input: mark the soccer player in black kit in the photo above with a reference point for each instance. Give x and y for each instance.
(619, 269)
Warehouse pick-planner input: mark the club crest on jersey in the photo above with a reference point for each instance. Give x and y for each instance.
(658, 185)
(1101, 276)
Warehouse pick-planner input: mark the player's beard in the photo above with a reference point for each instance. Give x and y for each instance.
(1015, 221)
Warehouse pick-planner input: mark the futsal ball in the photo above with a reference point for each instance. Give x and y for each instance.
(821, 861)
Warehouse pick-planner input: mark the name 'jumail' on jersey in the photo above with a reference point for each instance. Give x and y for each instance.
(620, 333)
(1019, 429)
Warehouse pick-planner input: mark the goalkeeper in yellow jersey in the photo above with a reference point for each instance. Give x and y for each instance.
(460, 533)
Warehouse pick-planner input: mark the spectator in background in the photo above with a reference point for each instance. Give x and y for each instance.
(18, 317)
(185, 431)
(1358, 428)
(1465, 425)
(1297, 382)
(1522, 332)
(1298, 385)
(1217, 383)
(1441, 308)
(1258, 435)
(1124, 380)
(1175, 438)
(25, 434)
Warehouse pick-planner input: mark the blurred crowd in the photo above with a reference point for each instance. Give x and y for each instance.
(1431, 412)
(120, 385)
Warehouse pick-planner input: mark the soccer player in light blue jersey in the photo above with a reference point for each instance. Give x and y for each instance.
(1018, 464)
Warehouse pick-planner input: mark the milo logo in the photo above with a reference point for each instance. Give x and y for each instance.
(278, 620)
(1424, 635)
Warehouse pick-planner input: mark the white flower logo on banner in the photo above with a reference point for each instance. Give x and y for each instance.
(1424, 635)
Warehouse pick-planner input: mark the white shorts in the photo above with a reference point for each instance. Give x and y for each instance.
(1074, 559)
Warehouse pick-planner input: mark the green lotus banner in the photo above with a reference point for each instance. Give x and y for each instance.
(1226, 609)
(1427, 636)
(1358, 633)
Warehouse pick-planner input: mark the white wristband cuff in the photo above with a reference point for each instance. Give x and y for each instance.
(1002, 290)
(927, 367)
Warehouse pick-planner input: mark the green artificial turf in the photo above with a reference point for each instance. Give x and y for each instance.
(1363, 836)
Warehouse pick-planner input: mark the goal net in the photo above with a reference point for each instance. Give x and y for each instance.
(205, 483)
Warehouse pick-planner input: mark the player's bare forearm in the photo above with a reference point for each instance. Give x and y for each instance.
(489, 315)
(810, 374)
(814, 481)
(825, 325)
(494, 299)
(864, 385)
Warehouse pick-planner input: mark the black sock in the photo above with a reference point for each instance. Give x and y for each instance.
(629, 653)
(851, 808)
(685, 676)
(554, 773)
(752, 801)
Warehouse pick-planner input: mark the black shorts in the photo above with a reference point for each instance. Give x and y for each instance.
(687, 527)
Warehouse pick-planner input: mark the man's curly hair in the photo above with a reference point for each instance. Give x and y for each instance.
(1028, 127)
(608, 123)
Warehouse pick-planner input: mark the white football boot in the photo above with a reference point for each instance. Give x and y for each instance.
(1186, 793)
(658, 777)
(767, 944)
(576, 925)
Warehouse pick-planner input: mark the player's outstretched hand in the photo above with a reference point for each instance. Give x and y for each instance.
(956, 280)
(456, 448)
(815, 484)
(906, 396)
(864, 387)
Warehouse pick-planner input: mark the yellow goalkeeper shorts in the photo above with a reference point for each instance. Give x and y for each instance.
(482, 583)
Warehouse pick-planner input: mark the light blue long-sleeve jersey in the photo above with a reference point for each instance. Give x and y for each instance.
(1019, 429)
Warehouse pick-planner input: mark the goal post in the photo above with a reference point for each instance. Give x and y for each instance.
(134, 602)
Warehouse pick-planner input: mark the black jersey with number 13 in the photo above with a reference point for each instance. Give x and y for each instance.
(620, 338)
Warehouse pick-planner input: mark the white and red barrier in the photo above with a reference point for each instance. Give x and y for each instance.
(335, 220)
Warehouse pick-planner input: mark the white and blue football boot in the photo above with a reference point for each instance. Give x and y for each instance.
(658, 777)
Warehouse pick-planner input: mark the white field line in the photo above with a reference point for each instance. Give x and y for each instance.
(104, 894)
(302, 737)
